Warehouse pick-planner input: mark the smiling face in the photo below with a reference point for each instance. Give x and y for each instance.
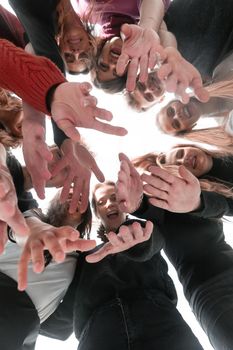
(176, 117)
(147, 94)
(75, 47)
(106, 64)
(107, 208)
(194, 159)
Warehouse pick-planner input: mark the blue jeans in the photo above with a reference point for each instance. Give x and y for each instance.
(149, 322)
(212, 303)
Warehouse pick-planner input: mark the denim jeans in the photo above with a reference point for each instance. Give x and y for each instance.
(149, 322)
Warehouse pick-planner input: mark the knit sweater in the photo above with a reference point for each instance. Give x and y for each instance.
(28, 76)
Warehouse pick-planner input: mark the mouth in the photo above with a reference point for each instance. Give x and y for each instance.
(115, 53)
(112, 215)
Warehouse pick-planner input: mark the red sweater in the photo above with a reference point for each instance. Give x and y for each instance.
(28, 76)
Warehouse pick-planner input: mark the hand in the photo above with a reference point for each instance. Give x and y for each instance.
(72, 106)
(58, 240)
(9, 211)
(127, 238)
(178, 74)
(79, 164)
(142, 47)
(167, 191)
(35, 150)
(129, 188)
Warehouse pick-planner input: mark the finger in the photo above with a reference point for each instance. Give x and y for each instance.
(155, 192)
(83, 245)
(37, 256)
(114, 239)
(23, 268)
(97, 172)
(101, 113)
(126, 234)
(39, 184)
(104, 251)
(143, 63)
(148, 230)
(66, 188)
(164, 71)
(89, 101)
(162, 173)
(156, 182)
(109, 129)
(202, 94)
(52, 244)
(85, 195)
(171, 83)
(137, 231)
(76, 195)
(132, 74)
(85, 87)
(187, 175)
(122, 63)
(159, 203)
(69, 129)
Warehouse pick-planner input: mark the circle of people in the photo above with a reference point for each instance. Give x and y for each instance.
(54, 279)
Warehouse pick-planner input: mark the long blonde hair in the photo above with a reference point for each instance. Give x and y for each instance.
(207, 184)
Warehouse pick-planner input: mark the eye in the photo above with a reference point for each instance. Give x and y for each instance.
(100, 203)
(171, 112)
(162, 159)
(104, 67)
(69, 57)
(141, 86)
(149, 97)
(180, 154)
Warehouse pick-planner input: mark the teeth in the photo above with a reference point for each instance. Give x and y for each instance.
(115, 54)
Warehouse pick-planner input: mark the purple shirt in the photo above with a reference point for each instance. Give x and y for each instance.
(110, 15)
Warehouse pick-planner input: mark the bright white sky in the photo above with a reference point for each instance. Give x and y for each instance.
(142, 137)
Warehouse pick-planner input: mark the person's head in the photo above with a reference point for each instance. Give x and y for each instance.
(105, 206)
(177, 117)
(75, 41)
(59, 179)
(197, 160)
(146, 95)
(58, 215)
(11, 117)
(104, 74)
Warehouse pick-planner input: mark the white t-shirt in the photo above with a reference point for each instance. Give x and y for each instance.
(46, 289)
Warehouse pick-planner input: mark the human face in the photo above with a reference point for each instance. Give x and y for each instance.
(107, 207)
(147, 94)
(106, 65)
(194, 159)
(176, 117)
(74, 47)
(72, 219)
(59, 179)
(13, 123)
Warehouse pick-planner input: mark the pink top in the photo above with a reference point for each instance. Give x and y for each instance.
(112, 14)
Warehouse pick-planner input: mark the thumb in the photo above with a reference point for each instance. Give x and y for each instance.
(186, 174)
(125, 31)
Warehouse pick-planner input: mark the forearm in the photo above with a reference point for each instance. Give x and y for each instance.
(151, 14)
(29, 77)
(166, 38)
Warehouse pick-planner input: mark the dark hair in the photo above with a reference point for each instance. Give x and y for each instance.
(111, 86)
(57, 213)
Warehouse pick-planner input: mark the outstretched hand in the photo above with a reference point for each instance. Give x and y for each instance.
(58, 240)
(35, 150)
(129, 188)
(178, 74)
(73, 106)
(127, 238)
(141, 49)
(79, 164)
(176, 194)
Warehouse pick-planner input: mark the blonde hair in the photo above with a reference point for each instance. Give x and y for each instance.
(222, 89)
(211, 185)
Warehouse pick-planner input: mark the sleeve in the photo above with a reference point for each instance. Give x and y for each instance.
(148, 211)
(214, 205)
(28, 76)
(146, 250)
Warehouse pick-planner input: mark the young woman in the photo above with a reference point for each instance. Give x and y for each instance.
(127, 300)
(176, 117)
(192, 228)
